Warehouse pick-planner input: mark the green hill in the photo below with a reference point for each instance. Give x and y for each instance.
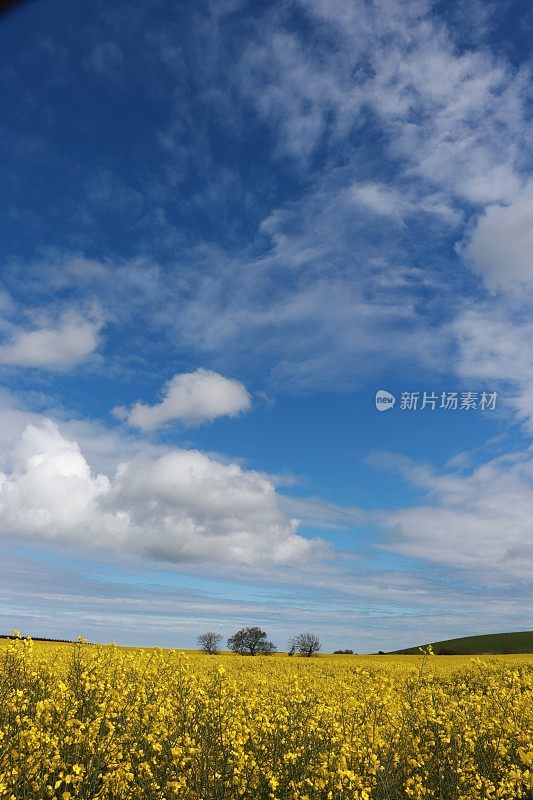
(489, 643)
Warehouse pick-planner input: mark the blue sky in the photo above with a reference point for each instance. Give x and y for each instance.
(224, 227)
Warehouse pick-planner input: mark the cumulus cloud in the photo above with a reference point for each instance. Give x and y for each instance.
(500, 247)
(59, 346)
(188, 509)
(191, 398)
(51, 490)
(178, 507)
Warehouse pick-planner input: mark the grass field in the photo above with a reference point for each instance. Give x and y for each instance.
(516, 642)
(89, 721)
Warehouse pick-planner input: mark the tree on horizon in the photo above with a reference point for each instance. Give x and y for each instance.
(209, 642)
(251, 641)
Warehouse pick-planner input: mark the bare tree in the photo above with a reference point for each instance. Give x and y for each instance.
(251, 641)
(209, 642)
(307, 644)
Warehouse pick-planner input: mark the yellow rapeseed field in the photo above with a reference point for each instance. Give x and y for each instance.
(89, 721)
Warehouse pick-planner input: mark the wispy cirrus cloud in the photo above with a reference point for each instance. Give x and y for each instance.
(315, 281)
(493, 345)
(478, 521)
(128, 604)
(453, 118)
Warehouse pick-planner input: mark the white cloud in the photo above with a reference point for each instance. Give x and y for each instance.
(397, 203)
(456, 119)
(64, 345)
(328, 303)
(191, 398)
(178, 507)
(323, 332)
(480, 522)
(494, 347)
(382, 610)
(385, 116)
(102, 448)
(282, 80)
(51, 492)
(500, 247)
(339, 292)
(193, 511)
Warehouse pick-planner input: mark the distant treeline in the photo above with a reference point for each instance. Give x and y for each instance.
(37, 638)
